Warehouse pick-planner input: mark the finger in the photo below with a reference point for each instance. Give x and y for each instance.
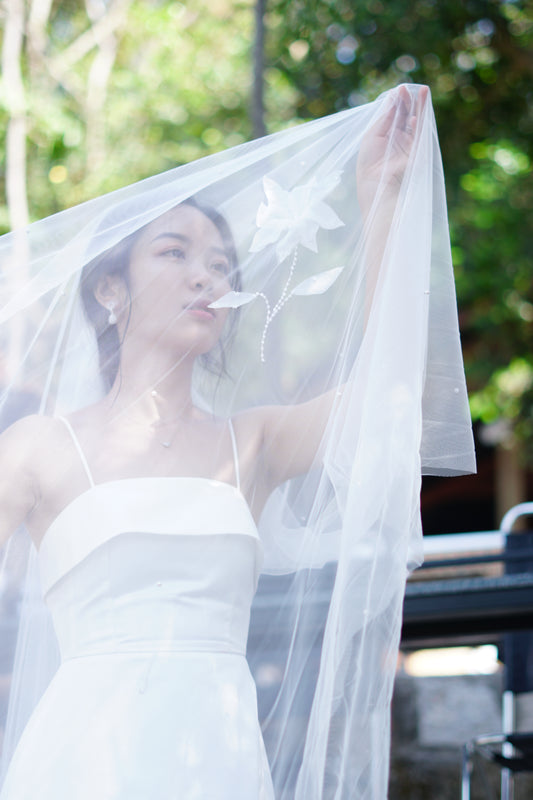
(400, 113)
(416, 117)
(405, 95)
(404, 107)
(384, 123)
(421, 99)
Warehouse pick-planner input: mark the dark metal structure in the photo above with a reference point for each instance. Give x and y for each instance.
(484, 608)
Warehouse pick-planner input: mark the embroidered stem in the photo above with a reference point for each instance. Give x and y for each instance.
(284, 295)
(267, 323)
(279, 305)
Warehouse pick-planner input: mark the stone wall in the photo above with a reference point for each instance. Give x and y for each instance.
(431, 718)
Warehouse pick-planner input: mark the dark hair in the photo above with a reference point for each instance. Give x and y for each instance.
(116, 262)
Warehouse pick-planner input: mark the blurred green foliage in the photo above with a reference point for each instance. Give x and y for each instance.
(179, 88)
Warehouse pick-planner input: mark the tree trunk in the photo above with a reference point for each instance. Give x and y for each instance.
(98, 78)
(510, 486)
(16, 197)
(257, 110)
(15, 268)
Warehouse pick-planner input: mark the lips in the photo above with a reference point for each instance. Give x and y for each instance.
(200, 309)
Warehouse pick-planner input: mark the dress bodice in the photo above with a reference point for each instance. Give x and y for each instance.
(150, 564)
(149, 582)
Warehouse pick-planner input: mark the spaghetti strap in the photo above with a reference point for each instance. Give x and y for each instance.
(235, 454)
(77, 445)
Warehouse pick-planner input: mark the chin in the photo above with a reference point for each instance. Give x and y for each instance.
(193, 346)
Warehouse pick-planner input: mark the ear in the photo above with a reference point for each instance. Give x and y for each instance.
(111, 292)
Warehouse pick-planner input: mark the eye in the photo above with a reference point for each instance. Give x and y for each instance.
(175, 252)
(221, 266)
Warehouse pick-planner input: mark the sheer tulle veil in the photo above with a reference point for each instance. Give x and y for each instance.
(342, 289)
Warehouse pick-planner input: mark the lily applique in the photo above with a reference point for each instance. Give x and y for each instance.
(288, 219)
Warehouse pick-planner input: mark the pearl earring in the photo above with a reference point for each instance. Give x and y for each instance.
(112, 318)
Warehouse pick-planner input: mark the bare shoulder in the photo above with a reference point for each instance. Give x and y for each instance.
(260, 424)
(250, 424)
(25, 433)
(25, 461)
(289, 436)
(30, 443)
(33, 428)
(261, 420)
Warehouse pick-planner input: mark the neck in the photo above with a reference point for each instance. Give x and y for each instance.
(156, 388)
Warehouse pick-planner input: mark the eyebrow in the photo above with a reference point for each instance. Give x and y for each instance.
(169, 235)
(186, 239)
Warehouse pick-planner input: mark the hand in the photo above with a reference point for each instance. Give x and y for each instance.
(386, 146)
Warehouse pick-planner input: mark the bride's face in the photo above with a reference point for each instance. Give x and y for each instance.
(178, 266)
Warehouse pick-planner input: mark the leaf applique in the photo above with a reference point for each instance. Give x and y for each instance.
(317, 284)
(233, 300)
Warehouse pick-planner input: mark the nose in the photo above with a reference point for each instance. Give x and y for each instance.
(199, 275)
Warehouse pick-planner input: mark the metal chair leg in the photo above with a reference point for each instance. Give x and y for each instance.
(508, 724)
(468, 752)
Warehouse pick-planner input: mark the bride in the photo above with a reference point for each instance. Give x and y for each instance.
(209, 417)
(158, 298)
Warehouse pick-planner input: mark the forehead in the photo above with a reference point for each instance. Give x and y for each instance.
(188, 222)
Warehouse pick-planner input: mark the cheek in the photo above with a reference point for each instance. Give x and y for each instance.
(154, 309)
(221, 287)
(162, 294)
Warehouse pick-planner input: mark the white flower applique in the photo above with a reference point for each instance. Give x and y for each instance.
(288, 219)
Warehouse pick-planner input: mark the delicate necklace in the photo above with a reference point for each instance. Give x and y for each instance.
(165, 444)
(169, 440)
(152, 428)
(159, 424)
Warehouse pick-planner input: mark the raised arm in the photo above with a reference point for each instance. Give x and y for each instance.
(292, 434)
(381, 165)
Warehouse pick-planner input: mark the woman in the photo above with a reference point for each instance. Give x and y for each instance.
(144, 504)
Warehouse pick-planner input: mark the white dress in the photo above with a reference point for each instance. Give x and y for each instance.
(149, 582)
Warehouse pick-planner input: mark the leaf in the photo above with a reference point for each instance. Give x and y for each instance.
(233, 300)
(318, 284)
